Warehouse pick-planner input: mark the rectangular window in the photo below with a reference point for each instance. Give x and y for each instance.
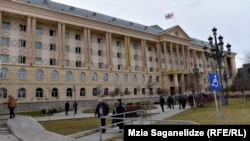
(38, 45)
(118, 43)
(22, 28)
(151, 69)
(100, 53)
(78, 64)
(38, 61)
(149, 49)
(5, 41)
(156, 59)
(52, 33)
(78, 37)
(135, 46)
(21, 59)
(4, 58)
(99, 40)
(22, 43)
(39, 31)
(66, 35)
(119, 66)
(136, 68)
(78, 50)
(52, 62)
(52, 47)
(5, 25)
(101, 66)
(150, 59)
(136, 57)
(66, 49)
(119, 55)
(67, 63)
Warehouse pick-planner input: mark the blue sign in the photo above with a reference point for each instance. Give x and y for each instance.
(214, 81)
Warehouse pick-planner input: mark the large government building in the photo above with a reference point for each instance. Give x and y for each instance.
(54, 52)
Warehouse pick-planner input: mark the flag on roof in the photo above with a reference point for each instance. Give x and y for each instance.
(169, 15)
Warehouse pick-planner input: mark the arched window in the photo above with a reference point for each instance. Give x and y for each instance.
(69, 76)
(82, 92)
(94, 76)
(126, 91)
(143, 91)
(69, 92)
(106, 91)
(94, 91)
(21, 93)
(157, 78)
(142, 78)
(54, 92)
(39, 92)
(22, 74)
(3, 73)
(125, 78)
(135, 91)
(134, 78)
(116, 78)
(82, 76)
(54, 75)
(116, 91)
(105, 77)
(39, 75)
(3, 93)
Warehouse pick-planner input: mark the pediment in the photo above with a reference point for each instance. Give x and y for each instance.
(176, 31)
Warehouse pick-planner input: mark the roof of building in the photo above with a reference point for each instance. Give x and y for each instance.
(155, 29)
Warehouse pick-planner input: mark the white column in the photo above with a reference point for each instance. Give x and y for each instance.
(172, 56)
(59, 43)
(29, 40)
(33, 40)
(165, 55)
(176, 83)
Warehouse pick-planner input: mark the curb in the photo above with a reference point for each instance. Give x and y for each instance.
(85, 133)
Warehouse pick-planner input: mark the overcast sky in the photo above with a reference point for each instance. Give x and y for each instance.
(196, 17)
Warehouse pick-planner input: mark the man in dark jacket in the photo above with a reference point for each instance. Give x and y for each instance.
(102, 109)
(75, 107)
(162, 102)
(66, 108)
(120, 109)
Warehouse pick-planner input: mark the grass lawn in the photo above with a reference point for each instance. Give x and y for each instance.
(234, 113)
(31, 113)
(71, 126)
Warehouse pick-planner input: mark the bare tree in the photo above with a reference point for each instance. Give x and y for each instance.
(247, 57)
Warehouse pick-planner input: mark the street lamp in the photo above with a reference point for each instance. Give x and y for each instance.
(217, 53)
(196, 73)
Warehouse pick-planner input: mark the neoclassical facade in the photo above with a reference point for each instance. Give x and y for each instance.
(50, 51)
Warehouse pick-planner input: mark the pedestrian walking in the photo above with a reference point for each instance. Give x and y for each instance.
(75, 107)
(102, 109)
(120, 108)
(66, 108)
(180, 99)
(162, 102)
(11, 106)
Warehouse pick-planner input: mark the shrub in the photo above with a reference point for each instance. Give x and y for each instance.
(130, 108)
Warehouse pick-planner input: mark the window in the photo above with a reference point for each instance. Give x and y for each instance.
(136, 57)
(38, 60)
(156, 59)
(22, 28)
(106, 91)
(54, 92)
(135, 46)
(136, 68)
(5, 25)
(117, 91)
(105, 77)
(52, 61)
(118, 43)
(143, 91)
(3, 73)
(134, 78)
(116, 78)
(101, 66)
(39, 75)
(149, 49)
(126, 91)
(163, 61)
(54, 75)
(66, 49)
(94, 92)
(150, 59)
(4, 58)
(22, 43)
(52, 33)
(39, 31)
(100, 53)
(3, 93)
(21, 93)
(151, 69)
(82, 92)
(82, 76)
(69, 76)
(78, 37)
(52, 47)
(21, 59)
(119, 55)
(99, 40)
(125, 78)
(66, 35)
(94, 76)
(78, 50)
(157, 79)
(67, 63)
(69, 92)
(38, 45)
(22, 74)
(171, 78)
(135, 91)
(150, 79)
(142, 78)
(39, 92)
(5, 41)
(119, 66)
(78, 64)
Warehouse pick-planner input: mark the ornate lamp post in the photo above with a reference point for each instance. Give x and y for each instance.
(217, 52)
